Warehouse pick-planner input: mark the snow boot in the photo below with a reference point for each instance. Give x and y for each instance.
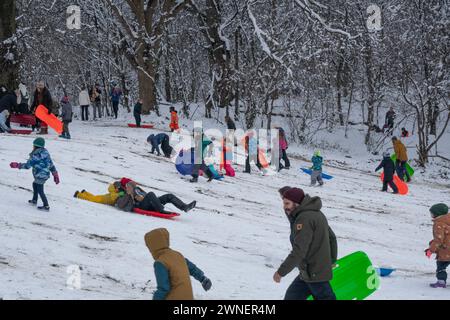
(190, 206)
(76, 194)
(32, 202)
(44, 130)
(193, 180)
(439, 284)
(44, 208)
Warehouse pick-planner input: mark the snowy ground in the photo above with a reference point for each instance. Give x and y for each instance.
(238, 233)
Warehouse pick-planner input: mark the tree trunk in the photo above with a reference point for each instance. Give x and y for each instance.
(147, 89)
(9, 64)
(339, 90)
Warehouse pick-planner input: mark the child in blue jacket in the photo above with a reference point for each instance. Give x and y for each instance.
(42, 165)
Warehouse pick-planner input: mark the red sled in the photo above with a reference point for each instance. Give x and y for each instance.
(145, 126)
(50, 119)
(156, 214)
(401, 185)
(18, 131)
(23, 119)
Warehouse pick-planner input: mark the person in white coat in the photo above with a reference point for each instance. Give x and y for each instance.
(84, 103)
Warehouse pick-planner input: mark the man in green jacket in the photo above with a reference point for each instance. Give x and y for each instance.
(314, 248)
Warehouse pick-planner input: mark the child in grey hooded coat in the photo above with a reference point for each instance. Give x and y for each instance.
(66, 116)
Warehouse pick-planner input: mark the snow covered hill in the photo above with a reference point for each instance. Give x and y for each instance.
(238, 233)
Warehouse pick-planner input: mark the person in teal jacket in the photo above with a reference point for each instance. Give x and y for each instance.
(316, 175)
(205, 143)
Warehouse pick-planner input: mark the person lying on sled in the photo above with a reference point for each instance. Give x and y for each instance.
(135, 197)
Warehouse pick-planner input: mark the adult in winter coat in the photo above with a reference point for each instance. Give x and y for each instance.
(43, 97)
(3, 90)
(440, 245)
(114, 192)
(230, 123)
(252, 148)
(42, 165)
(135, 197)
(314, 248)
(137, 111)
(231, 129)
(389, 170)
(95, 95)
(163, 140)
(402, 158)
(8, 103)
(115, 95)
(84, 101)
(66, 116)
(24, 95)
(389, 120)
(173, 119)
(172, 269)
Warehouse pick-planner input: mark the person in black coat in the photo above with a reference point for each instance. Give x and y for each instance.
(230, 123)
(137, 111)
(8, 102)
(389, 170)
(42, 96)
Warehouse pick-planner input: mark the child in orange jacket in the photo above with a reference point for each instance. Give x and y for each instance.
(173, 119)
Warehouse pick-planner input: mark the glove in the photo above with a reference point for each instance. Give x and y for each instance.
(14, 165)
(121, 193)
(428, 253)
(56, 177)
(206, 283)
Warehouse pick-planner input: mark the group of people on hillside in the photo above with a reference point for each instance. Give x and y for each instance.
(391, 167)
(314, 244)
(92, 96)
(17, 103)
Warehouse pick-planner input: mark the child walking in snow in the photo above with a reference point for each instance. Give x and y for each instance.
(440, 245)
(172, 270)
(66, 116)
(316, 175)
(42, 165)
(389, 170)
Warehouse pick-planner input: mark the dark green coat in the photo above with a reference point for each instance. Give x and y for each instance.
(314, 245)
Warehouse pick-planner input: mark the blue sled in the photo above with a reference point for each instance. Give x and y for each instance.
(384, 272)
(324, 175)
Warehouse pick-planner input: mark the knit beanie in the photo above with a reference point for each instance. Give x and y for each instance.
(39, 142)
(295, 195)
(439, 209)
(283, 190)
(124, 182)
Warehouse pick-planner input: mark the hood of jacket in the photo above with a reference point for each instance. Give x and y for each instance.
(308, 204)
(157, 242)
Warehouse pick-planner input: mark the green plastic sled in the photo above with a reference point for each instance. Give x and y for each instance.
(408, 167)
(354, 277)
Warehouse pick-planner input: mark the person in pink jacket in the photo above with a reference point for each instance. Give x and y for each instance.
(283, 147)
